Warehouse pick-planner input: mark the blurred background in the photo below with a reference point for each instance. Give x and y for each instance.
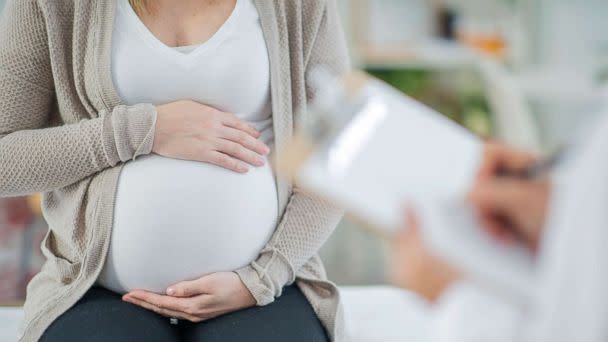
(529, 72)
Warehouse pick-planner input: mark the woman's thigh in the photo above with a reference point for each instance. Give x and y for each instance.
(289, 318)
(101, 315)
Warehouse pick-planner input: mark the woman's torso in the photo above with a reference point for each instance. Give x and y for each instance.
(176, 220)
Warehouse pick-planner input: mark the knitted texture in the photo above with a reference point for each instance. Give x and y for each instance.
(64, 132)
(313, 30)
(38, 158)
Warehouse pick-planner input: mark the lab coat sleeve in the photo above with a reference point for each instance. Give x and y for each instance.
(468, 313)
(573, 305)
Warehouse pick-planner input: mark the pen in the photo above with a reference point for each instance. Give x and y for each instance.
(538, 169)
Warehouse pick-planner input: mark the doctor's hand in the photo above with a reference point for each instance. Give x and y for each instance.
(513, 209)
(197, 300)
(510, 208)
(500, 159)
(193, 131)
(414, 266)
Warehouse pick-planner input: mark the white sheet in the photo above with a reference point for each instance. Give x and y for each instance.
(9, 323)
(384, 314)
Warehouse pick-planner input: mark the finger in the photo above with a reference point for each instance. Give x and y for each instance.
(189, 288)
(502, 207)
(245, 140)
(409, 235)
(232, 121)
(501, 158)
(517, 160)
(238, 151)
(164, 302)
(197, 306)
(411, 220)
(160, 311)
(496, 228)
(227, 162)
(502, 196)
(163, 311)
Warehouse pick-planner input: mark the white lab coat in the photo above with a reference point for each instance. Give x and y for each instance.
(572, 301)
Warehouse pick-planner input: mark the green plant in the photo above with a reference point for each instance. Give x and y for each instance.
(458, 94)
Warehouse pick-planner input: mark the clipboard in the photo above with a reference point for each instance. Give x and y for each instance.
(371, 149)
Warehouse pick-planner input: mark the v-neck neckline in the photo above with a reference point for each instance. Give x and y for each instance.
(202, 48)
(106, 19)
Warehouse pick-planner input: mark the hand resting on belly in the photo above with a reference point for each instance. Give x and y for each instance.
(193, 131)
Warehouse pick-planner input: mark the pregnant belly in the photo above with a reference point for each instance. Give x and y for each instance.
(178, 220)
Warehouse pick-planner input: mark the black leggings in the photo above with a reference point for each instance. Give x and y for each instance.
(101, 315)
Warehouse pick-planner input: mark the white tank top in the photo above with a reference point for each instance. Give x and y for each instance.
(177, 220)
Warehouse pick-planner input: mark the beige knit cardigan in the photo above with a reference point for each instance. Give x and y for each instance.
(65, 133)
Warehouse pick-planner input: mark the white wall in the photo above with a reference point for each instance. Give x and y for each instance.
(395, 21)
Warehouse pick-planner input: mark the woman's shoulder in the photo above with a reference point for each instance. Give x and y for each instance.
(28, 24)
(305, 9)
(56, 17)
(46, 8)
(64, 12)
(303, 16)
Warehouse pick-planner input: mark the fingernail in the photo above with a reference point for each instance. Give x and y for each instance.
(266, 149)
(259, 161)
(243, 168)
(170, 291)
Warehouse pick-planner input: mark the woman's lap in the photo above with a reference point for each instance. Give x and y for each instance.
(289, 318)
(101, 315)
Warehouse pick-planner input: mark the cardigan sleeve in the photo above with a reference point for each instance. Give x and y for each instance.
(307, 221)
(35, 157)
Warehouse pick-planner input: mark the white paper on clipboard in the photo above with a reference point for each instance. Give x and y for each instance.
(393, 150)
(396, 150)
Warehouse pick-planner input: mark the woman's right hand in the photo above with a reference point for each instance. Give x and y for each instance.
(193, 131)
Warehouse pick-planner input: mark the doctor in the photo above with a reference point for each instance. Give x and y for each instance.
(563, 221)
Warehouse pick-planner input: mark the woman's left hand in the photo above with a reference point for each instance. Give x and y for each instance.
(197, 300)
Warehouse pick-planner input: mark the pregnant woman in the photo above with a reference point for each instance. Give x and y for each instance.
(150, 127)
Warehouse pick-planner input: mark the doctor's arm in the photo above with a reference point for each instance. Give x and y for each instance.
(509, 209)
(460, 310)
